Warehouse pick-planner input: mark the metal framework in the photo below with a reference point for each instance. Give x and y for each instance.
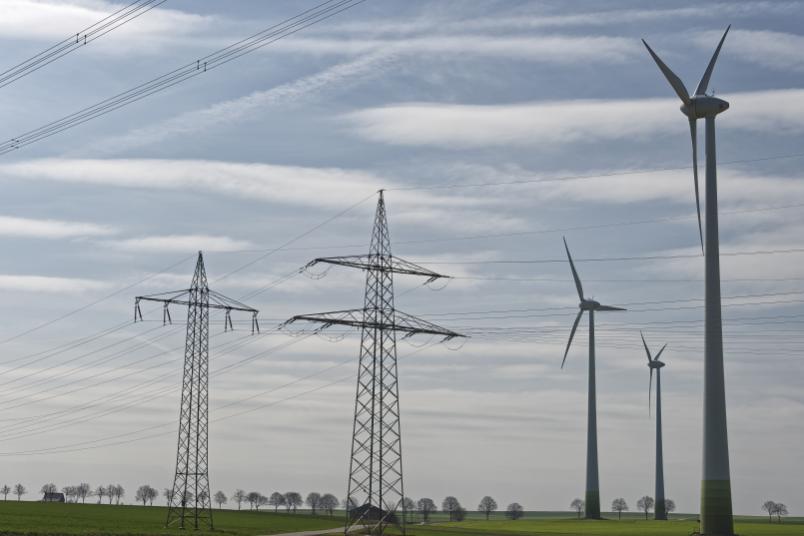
(375, 489)
(190, 502)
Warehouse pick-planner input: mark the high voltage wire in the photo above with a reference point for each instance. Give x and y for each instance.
(288, 27)
(81, 38)
(83, 445)
(621, 259)
(591, 176)
(107, 411)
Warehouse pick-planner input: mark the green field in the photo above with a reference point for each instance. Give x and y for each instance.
(34, 518)
(550, 525)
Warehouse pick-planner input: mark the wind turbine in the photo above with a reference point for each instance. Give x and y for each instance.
(654, 364)
(716, 504)
(592, 509)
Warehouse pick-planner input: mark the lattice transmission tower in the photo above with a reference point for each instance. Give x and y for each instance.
(191, 503)
(375, 493)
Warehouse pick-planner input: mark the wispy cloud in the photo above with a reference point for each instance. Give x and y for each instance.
(54, 285)
(775, 50)
(33, 228)
(539, 124)
(173, 243)
(53, 20)
(231, 111)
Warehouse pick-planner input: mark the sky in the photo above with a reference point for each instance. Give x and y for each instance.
(496, 127)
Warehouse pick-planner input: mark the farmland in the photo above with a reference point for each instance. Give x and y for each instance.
(35, 518)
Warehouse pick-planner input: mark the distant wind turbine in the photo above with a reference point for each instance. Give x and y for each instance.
(592, 509)
(716, 503)
(660, 511)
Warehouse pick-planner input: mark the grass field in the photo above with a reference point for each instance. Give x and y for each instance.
(550, 525)
(34, 518)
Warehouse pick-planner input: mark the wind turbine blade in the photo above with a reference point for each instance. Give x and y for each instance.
(660, 352)
(694, 136)
(572, 334)
(574, 272)
(647, 351)
(674, 80)
(609, 308)
(701, 89)
(650, 392)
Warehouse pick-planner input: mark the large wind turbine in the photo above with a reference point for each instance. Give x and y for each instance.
(716, 510)
(592, 510)
(660, 512)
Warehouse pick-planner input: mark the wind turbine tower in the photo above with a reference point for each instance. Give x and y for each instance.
(660, 511)
(592, 509)
(716, 505)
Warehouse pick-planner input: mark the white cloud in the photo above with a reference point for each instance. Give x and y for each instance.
(555, 49)
(52, 19)
(55, 285)
(32, 228)
(231, 111)
(172, 243)
(550, 123)
(776, 50)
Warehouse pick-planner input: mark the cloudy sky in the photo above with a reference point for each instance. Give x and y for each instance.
(496, 127)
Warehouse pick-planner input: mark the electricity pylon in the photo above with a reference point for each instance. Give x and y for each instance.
(375, 488)
(190, 502)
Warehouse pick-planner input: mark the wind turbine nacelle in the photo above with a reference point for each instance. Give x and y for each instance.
(655, 364)
(701, 106)
(589, 305)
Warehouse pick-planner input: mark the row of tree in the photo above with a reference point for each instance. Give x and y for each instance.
(644, 504)
(774, 509)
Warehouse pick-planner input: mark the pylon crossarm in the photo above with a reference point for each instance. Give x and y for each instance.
(380, 263)
(402, 322)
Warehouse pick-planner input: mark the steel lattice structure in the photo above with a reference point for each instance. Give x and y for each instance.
(191, 502)
(375, 487)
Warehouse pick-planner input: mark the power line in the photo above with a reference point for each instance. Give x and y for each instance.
(82, 38)
(567, 178)
(622, 259)
(286, 28)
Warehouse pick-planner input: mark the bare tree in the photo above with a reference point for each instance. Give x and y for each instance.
(451, 505)
(645, 504)
(780, 510)
(770, 507)
(5, 490)
(253, 497)
(514, 511)
(313, 500)
(110, 489)
(669, 506)
(276, 500)
(83, 490)
(101, 492)
(262, 500)
(119, 492)
(487, 506)
(167, 493)
(408, 508)
(619, 506)
(239, 496)
(220, 499)
(19, 491)
(69, 493)
(48, 488)
(577, 505)
(293, 500)
(460, 513)
(329, 502)
(146, 493)
(426, 506)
